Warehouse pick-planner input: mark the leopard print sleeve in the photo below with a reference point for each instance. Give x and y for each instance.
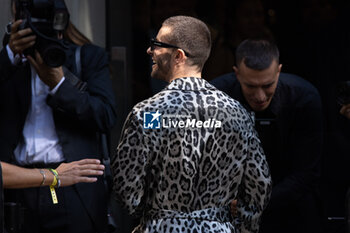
(255, 188)
(129, 165)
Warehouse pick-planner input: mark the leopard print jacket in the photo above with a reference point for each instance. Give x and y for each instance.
(182, 175)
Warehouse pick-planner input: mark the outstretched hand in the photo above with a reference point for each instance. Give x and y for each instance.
(80, 171)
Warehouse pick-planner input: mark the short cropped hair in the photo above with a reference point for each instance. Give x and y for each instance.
(257, 54)
(191, 35)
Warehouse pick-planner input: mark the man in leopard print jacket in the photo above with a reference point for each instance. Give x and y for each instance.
(188, 151)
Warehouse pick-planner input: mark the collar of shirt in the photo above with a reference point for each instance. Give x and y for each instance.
(190, 84)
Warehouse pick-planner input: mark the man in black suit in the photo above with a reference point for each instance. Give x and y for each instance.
(47, 117)
(288, 118)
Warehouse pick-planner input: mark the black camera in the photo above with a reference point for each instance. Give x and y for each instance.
(46, 18)
(342, 90)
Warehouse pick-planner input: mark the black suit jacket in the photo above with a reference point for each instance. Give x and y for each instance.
(78, 115)
(1, 204)
(291, 131)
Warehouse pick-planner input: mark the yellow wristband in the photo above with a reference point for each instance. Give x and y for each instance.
(54, 172)
(53, 195)
(53, 184)
(56, 182)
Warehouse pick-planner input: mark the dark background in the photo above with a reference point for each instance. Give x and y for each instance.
(313, 37)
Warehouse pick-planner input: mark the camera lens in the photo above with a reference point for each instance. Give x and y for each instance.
(54, 56)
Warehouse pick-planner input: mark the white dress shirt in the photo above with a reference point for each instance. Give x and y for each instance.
(39, 143)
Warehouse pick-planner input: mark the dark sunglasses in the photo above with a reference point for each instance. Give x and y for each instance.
(157, 43)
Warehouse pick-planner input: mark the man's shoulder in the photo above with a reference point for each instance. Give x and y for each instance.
(150, 104)
(89, 53)
(227, 83)
(87, 50)
(167, 98)
(295, 81)
(93, 51)
(297, 91)
(224, 80)
(92, 47)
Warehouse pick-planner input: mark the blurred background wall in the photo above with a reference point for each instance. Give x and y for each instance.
(87, 15)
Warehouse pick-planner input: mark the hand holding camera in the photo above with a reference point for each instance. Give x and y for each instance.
(51, 76)
(23, 39)
(20, 40)
(345, 110)
(39, 26)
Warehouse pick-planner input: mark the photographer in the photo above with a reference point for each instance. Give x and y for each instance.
(52, 113)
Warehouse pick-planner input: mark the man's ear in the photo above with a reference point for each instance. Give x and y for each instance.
(235, 69)
(180, 55)
(279, 68)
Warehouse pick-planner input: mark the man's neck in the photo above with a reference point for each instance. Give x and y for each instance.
(185, 72)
